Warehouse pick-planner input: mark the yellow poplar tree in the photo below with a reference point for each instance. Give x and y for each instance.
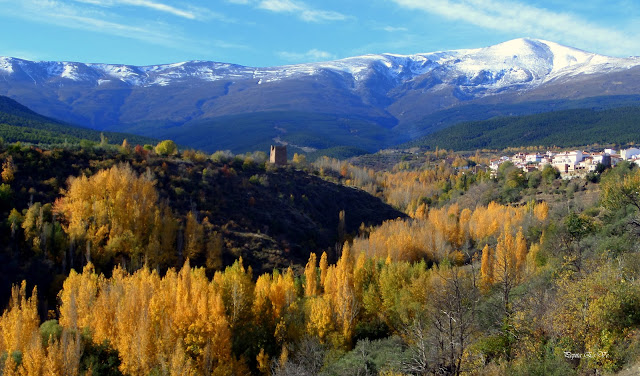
(521, 252)
(311, 284)
(110, 213)
(193, 237)
(324, 266)
(486, 267)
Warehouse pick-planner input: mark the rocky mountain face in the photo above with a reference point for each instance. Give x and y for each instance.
(372, 100)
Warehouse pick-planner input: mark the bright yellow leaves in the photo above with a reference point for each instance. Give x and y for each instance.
(19, 321)
(343, 294)
(19, 334)
(177, 322)
(486, 267)
(445, 231)
(311, 277)
(8, 170)
(111, 213)
(320, 322)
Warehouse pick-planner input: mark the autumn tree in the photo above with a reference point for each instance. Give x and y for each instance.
(175, 323)
(299, 160)
(505, 267)
(486, 268)
(344, 294)
(521, 252)
(166, 147)
(193, 237)
(311, 276)
(111, 214)
(8, 170)
(125, 148)
(19, 321)
(324, 266)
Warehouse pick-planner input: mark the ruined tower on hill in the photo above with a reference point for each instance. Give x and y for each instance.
(278, 155)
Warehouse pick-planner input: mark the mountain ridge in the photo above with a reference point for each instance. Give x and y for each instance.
(386, 90)
(404, 66)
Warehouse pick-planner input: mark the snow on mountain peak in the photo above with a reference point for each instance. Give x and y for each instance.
(515, 62)
(6, 65)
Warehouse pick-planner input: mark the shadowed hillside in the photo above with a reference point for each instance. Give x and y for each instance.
(271, 217)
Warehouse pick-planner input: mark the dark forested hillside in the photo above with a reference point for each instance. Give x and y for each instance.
(19, 123)
(271, 217)
(567, 128)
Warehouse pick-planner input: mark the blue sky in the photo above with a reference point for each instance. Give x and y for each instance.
(278, 32)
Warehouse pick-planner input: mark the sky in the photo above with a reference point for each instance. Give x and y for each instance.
(264, 33)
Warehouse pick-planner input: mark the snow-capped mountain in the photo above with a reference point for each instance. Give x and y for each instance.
(518, 61)
(386, 89)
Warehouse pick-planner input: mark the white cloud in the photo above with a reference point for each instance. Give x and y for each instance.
(312, 55)
(321, 15)
(295, 7)
(280, 6)
(392, 29)
(190, 12)
(515, 17)
(82, 17)
(161, 7)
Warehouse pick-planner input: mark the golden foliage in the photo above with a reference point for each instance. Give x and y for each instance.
(19, 321)
(311, 277)
(114, 212)
(8, 170)
(442, 233)
(486, 267)
(178, 320)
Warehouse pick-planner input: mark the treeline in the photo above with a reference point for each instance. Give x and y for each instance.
(568, 128)
(18, 123)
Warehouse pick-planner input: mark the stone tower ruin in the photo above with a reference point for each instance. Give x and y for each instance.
(278, 155)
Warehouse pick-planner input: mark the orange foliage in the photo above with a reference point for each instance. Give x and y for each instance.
(442, 232)
(145, 317)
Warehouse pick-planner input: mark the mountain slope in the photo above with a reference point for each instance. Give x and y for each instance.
(567, 128)
(389, 92)
(19, 123)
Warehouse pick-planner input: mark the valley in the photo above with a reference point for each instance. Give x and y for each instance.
(463, 212)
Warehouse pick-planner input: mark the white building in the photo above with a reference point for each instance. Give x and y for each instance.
(570, 157)
(520, 157)
(628, 153)
(533, 158)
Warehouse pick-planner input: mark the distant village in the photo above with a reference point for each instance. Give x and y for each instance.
(571, 164)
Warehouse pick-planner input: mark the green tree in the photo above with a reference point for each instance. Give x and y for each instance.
(534, 178)
(166, 147)
(620, 191)
(549, 174)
